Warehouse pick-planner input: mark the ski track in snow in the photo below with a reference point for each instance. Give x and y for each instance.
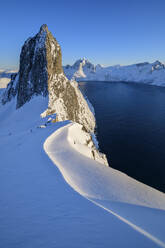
(120, 195)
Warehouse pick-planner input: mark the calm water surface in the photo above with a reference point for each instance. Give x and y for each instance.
(131, 128)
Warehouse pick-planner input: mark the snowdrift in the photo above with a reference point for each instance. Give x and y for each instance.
(39, 209)
(135, 203)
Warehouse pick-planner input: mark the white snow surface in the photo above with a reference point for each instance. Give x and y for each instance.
(151, 73)
(131, 201)
(83, 143)
(100, 182)
(39, 209)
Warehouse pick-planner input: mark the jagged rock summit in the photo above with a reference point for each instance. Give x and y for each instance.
(41, 73)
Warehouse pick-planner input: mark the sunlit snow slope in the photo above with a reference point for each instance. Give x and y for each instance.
(39, 209)
(138, 205)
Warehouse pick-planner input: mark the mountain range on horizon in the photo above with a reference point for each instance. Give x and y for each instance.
(84, 70)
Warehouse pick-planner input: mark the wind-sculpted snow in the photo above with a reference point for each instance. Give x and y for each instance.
(38, 208)
(138, 205)
(83, 142)
(151, 73)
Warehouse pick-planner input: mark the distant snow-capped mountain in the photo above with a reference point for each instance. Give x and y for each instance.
(5, 77)
(84, 70)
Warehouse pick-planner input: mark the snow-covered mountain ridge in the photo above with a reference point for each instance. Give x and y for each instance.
(84, 70)
(37, 206)
(41, 74)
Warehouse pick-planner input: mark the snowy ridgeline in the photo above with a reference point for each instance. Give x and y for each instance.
(37, 206)
(151, 73)
(85, 143)
(47, 79)
(134, 203)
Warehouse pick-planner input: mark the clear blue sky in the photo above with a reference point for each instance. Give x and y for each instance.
(104, 31)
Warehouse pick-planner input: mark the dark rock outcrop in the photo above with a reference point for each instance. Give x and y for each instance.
(37, 63)
(41, 73)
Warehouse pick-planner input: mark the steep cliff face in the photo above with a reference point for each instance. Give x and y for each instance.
(40, 59)
(33, 68)
(41, 73)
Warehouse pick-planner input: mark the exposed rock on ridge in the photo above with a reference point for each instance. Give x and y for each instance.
(41, 73)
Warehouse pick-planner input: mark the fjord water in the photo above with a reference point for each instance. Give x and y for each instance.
(131, 128)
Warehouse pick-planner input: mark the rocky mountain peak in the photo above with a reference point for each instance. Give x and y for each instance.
(157, 65)
(40, 58)
(84, 64)
(43, 28)
(41, 73)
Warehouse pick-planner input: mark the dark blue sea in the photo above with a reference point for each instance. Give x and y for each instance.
(131, 128)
